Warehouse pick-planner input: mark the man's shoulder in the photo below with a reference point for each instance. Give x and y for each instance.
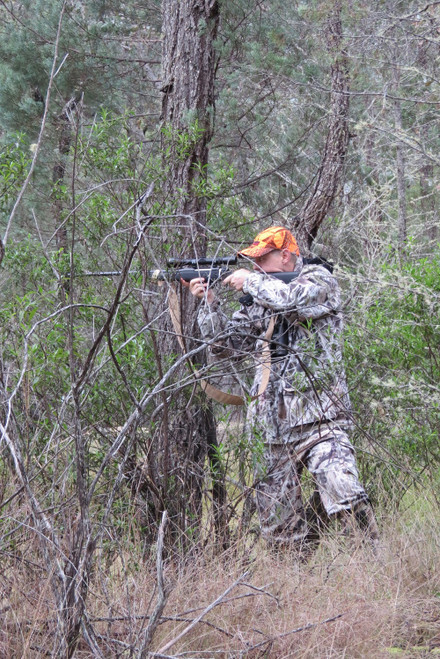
(309, 273)
(317, 272)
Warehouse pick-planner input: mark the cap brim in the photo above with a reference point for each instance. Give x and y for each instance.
(255, 252)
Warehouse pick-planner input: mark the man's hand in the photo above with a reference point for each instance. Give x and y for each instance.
(237, 279)
(199, 288)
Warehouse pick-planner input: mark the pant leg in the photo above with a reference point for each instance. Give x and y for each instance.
(332, 463)
(278, 496)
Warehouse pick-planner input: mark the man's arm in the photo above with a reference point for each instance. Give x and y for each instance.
(235, 337)
(313, 294)
(199, 287)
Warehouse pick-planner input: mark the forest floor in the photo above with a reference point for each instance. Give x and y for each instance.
(346, 600)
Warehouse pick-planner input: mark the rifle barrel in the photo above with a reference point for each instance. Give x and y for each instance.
(210, 274)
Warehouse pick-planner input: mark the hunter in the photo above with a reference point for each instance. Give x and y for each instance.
(303, 415)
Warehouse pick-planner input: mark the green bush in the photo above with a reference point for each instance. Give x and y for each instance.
(392, 354)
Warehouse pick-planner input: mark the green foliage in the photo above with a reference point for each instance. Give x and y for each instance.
(27, 50)
(109, 149)
(182, 141)
(392, 352)
(14, 162)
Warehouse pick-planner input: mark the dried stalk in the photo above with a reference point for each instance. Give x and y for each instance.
(187, 629)
(164, 591)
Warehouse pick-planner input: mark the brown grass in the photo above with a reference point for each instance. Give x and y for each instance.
(344, 602)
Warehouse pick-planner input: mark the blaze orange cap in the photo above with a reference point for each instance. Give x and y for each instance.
(270, 239)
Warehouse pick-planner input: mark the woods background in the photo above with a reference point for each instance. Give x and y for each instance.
(132, 132)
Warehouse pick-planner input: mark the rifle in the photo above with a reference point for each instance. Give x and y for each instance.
(216, 268)
(210, 269)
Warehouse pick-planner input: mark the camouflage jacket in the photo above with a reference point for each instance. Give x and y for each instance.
(307, 385)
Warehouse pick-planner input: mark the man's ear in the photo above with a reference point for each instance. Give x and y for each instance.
(293, 261)
(289, 257)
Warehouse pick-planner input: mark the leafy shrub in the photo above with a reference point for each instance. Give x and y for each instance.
(392, 353)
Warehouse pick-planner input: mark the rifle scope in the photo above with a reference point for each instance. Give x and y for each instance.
(202, 262)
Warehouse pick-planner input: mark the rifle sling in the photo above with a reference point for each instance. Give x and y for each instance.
(211, 391)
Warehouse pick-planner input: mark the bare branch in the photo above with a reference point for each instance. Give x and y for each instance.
(42, 127)
(163, 591)
(183, 633)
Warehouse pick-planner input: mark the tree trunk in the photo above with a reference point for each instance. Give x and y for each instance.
(429, 207)
(428, 201)
(330, 172)
(189, 29)
(400, 164)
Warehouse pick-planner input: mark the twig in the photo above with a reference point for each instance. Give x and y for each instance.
(203, 622)
(225, 601)
(164, 591)
(204, 612)
(263, 592)
(294, 631)
(163, 620)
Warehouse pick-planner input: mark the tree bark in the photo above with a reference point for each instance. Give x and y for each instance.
(63, 126)
(188, 433)
(330, 173)
(189, 28)
(400, 178)
(400, 162)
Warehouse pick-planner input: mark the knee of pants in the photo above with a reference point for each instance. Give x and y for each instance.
(340, 489)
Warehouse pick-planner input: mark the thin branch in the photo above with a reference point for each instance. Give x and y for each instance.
(135, 416)
(262, 591)
(187, 629)
(310, 625)
(164, 591)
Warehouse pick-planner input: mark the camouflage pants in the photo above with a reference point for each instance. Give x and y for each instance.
(329, 457)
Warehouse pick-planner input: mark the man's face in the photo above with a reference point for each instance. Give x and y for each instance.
(270, 262)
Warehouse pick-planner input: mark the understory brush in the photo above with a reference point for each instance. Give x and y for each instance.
(345, 601)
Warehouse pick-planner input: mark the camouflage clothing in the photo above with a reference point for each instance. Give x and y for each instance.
(278, 490)
(303, 414)
(308, 385)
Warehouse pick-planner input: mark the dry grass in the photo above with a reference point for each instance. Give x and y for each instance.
(383, 601)
(380, 605)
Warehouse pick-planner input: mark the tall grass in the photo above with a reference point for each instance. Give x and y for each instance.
(345, 601)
